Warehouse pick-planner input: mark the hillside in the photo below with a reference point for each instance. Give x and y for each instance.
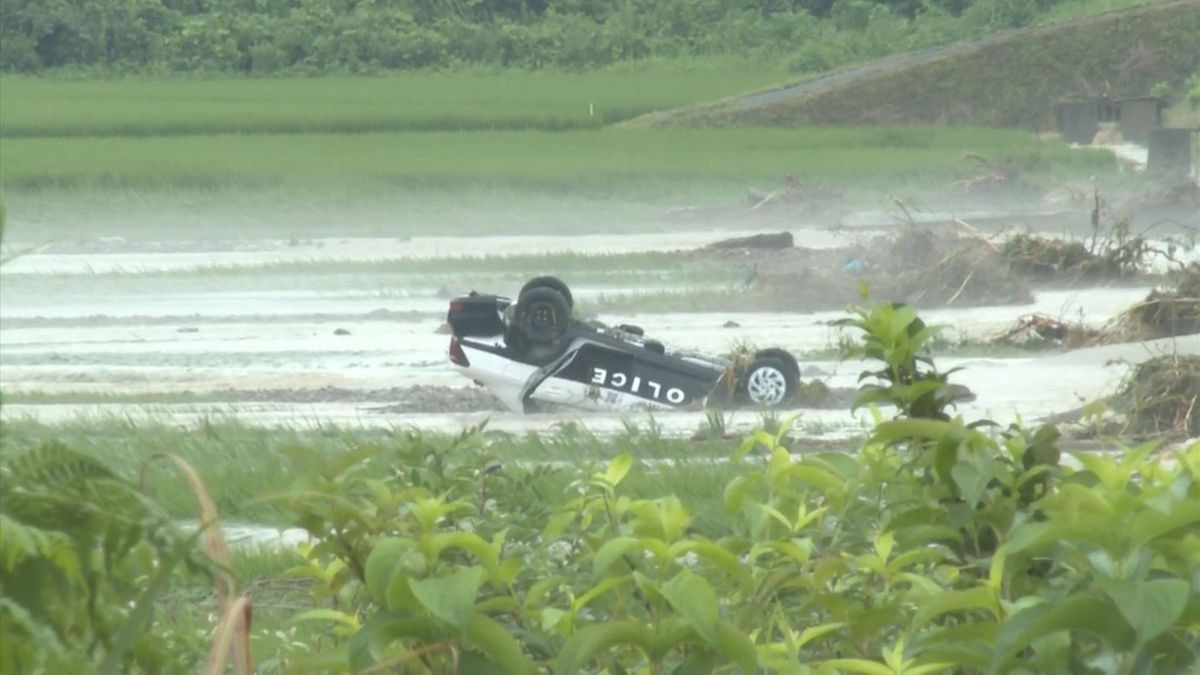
(1008, 79)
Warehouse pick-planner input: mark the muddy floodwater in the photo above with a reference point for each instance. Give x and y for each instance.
(90, 331)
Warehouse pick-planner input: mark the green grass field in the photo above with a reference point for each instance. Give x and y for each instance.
(548, 101)
(430, 153)
(605, 161)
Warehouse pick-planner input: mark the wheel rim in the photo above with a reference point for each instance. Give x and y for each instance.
(543, 317)
(767, 386)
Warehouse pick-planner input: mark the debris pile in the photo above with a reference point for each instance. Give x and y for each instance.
(1049, 258)
(1041, 331)
(1164, 313)
(939, 267)
(1162, 397)
(989, 174)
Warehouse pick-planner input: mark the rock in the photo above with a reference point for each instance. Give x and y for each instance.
(188, 329)
(443, 292)
(443, 329)
(341, 331)
(775, 241)
(813, 371)
(731, 324)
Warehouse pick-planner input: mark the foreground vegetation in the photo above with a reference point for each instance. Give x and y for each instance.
(940, 545)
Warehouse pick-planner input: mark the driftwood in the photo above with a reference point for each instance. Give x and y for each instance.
(774, 241)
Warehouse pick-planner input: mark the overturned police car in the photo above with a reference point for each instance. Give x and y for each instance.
(534, 354)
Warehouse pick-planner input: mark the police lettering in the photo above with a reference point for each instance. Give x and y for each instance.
(652, 389)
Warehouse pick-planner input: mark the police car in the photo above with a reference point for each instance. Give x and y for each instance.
(535, 355)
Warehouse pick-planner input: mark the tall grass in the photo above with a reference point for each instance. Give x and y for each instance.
(605, 161)
(241, 463)
(402, 102)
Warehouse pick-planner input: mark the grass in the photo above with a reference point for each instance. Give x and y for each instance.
(603, 162)
(241, 464)
(1065, 11)
(511, 99)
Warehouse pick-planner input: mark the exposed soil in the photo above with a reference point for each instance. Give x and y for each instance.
(816, 394)
(924, 266)
(420, 398)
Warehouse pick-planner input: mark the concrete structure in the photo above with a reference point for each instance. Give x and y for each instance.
(1138, 116)
(1079, 120)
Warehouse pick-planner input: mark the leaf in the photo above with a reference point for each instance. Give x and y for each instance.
(714, 554)
(697, 663)
(618, 468)
(817, 477)
(815, 632)
(1149, 606)
(911, 428)
(1149, 524)
(382, 563)
(557, 524)
(384, 628)
(884, 542)
(609, 552)
(594, 640)
(450, 598)
(857, 666)
(737, 647)
(141, 615)
(694, 599)
(467, 541)
(500, 647)
(327, 615)
(599, 589)
(348, 459)
(738, 490)
(1078, 612)
(980, 597)
(971, 481)
(550, 618)
(540, 589)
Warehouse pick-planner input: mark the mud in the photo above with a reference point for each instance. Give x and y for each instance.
(419, 398)
(73, 347)
(924, 266)
(109, 256)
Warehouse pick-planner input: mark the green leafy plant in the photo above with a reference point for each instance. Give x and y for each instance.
(941, 545)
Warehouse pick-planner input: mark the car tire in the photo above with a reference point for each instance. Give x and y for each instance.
(542, 315)
(553, 283)
(768, 383)
(782, 355)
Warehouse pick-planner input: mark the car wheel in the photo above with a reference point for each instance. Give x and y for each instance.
(782, 355)
(769, 383)
(553, 283)
(542, 315)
